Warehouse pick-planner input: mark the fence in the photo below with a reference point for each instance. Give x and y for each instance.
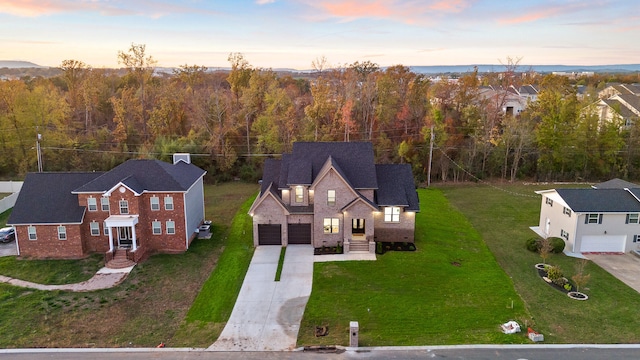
(12, 187)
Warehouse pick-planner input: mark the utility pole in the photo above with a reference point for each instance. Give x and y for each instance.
(39, 152)
(430, 157)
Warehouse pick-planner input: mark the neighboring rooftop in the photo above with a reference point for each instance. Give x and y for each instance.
(600, 200)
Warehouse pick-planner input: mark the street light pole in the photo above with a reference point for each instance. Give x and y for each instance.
(39, 152)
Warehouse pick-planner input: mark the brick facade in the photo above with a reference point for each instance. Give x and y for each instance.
(48, 246)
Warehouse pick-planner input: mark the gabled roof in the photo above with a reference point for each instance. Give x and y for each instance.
(271, 171)
(355, 159)
(615, 184)
(146, 175)
(599, 200)
(46, 198)
(396, 187)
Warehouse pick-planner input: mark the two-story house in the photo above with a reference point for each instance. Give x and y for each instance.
(330, 193)
(139, 207)
(603, 218)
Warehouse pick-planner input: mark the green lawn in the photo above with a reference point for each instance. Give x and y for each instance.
(149, 307)
(3, 218)
(503, 219)
(450, 291)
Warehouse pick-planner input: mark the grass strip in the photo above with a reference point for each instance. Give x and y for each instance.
(283, 251)
(215, 301)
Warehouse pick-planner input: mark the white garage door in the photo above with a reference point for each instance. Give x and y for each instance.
(603, 243)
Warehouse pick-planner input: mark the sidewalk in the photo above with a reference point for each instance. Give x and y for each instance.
(105, 278)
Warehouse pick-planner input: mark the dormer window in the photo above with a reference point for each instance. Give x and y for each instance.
(299, 194)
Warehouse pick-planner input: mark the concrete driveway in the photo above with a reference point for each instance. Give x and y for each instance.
(267, 314)
(8, 249)
(625, 267)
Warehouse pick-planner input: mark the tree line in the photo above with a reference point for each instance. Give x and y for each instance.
(93, 119)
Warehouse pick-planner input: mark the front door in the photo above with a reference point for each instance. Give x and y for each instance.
(357, 226)
(125, 240)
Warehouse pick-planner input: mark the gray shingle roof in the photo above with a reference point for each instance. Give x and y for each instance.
(270, 174)
(615, 184)
(146, 175)
(46, 198)
(354, 158)
(599, 200)
(396, 186)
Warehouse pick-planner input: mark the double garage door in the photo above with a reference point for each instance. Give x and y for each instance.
(603, 243)
(270, 234)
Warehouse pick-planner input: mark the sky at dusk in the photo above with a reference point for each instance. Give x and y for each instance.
(292, 33)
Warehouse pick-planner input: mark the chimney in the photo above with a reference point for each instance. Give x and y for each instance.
(186, 157)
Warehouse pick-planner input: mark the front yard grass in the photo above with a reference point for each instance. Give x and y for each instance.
(146, 309)
(449, 291)
(503, 218)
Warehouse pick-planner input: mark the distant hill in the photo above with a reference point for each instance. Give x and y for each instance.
(15, 64)
(614, 68)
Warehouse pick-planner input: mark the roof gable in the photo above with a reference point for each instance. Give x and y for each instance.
(46, 198)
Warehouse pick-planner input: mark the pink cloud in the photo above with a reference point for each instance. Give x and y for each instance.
(406, 11)
(538, 13)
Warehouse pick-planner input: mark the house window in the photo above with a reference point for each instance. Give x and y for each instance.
(104, 203)
(62, 232)
(168, 203)
(92, 204)
(567, 211)
(636, 238)
(95, 228)
(157, 228)
(105, 229)
(564, 234)
(593, 219)
(124, 207)
(155, 203)
(32, 232)
(331, 197)
(549, 202)
(299, 194)
(392, 214)
(632, 218)
(331, 225)
(171, 227)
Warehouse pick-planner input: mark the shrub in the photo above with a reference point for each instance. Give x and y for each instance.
(557, 244)
(532, 244)
(554, 273)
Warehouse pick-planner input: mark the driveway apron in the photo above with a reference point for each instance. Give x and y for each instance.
(625, 267)
(267, 313)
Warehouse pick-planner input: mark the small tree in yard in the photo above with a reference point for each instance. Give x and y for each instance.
(580, 278)
(545, 248)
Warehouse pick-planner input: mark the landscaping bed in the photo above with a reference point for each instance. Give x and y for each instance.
(383, 247)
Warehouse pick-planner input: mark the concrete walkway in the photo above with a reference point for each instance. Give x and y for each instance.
(267, 313)
(625, 267)
(105, 278)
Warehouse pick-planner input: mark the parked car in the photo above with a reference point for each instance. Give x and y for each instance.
(7, 234)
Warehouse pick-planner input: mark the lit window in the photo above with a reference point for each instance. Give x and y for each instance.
(331, 225)
(157, 228)
(32, 232)
(95, 228)
(392, 214)
(62, 233)
(299, 194)
(171, 227)
(104, 202)
(124, 207)
(168, 203)
(92, 204)
(331, 197)
(155, 203)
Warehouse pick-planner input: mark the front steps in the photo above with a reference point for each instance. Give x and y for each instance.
(120, 260)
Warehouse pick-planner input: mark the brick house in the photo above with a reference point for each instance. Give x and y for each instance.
(330, 193)
(137, 208)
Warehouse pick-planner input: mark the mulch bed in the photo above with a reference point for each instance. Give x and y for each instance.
(543, 273)
(328, 250)
(383, 247)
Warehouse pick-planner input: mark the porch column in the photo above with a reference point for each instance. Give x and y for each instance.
(133, 235)
(110, 239)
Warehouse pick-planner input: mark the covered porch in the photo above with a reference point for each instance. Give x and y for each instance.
(122, 237)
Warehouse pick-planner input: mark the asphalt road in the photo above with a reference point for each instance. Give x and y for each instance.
(564, 352)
